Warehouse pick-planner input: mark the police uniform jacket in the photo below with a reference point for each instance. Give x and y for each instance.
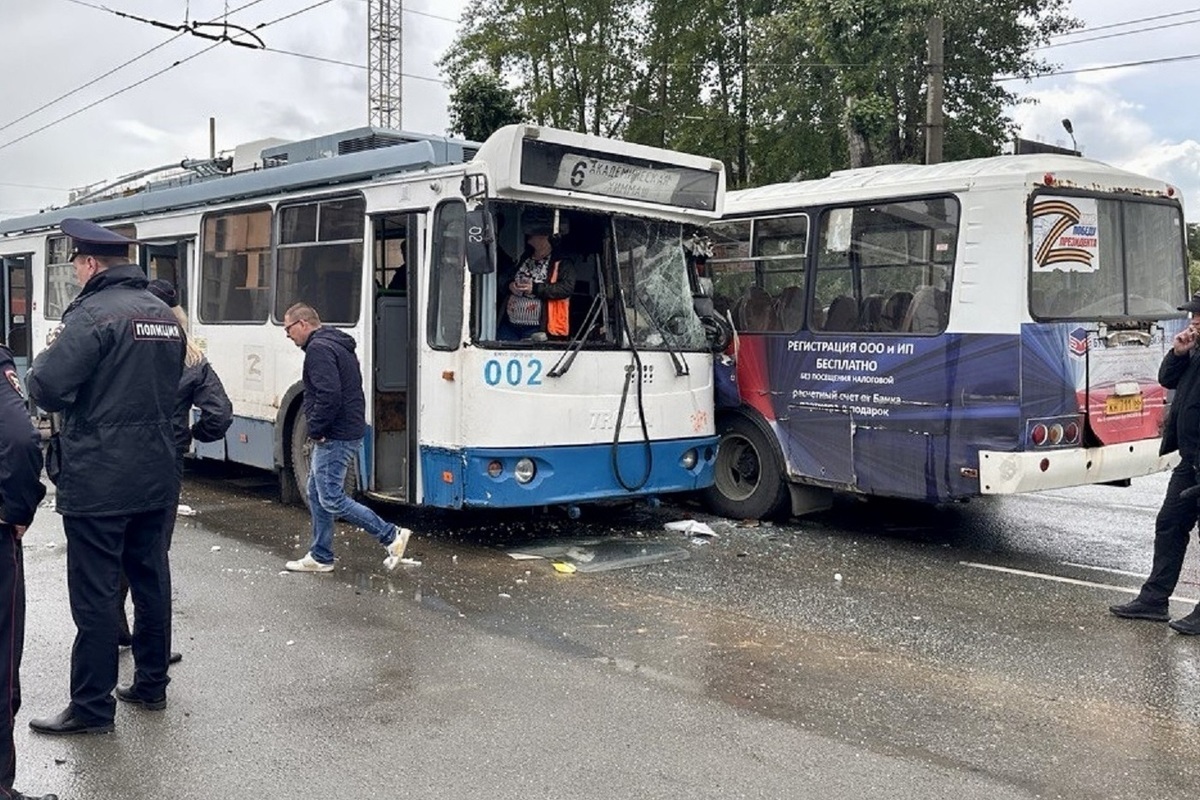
(199, 386)
(20, 450)
(334, 406)
(1182, 429)
(114, 373)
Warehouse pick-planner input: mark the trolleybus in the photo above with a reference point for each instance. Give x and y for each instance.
(401, 241)
(941, 332)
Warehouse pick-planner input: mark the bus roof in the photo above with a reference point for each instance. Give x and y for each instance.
(256, 183)
(894, 179)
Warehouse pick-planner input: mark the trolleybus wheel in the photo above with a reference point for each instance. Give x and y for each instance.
(748, 480)
(301, 451)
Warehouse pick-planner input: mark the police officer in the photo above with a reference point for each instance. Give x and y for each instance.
(112, 372)
(20, 492)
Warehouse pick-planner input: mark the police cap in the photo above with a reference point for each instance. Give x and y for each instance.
(1192, 305)
(89, 239)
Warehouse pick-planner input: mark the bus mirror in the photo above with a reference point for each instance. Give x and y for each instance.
(473, 186)
(481, 242)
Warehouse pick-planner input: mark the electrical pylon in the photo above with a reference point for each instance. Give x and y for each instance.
(384, 61)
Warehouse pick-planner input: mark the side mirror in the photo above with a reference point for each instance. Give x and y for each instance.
(481, 242)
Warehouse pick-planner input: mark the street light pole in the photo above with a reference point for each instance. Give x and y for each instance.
(1070, 129)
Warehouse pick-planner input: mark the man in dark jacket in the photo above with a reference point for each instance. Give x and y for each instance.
(335, 410)
(1180, 370)
(20, 492)
(113, 372)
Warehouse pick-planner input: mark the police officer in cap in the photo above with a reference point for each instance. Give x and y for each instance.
(20, 492)
(112, 372)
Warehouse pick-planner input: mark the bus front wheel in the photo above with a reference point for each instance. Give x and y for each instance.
(748, 480)
(300, 448)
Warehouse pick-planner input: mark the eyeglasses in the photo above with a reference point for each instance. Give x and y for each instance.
(287, 328)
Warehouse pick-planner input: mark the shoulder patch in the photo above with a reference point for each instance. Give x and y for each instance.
(157, 330)
(15, 382)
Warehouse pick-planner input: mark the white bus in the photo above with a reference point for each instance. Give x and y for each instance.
(399, 246)
(941, 332)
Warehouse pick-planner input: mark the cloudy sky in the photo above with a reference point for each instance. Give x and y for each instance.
(155, 110)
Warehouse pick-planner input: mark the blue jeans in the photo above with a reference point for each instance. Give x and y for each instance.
(328, 501)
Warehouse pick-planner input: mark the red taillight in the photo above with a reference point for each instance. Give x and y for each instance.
(1038, 435)
(1071, 433)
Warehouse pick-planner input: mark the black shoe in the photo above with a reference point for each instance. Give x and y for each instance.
(1189, 625)
(20, 796)
(174, 658)
(67, 724)
(1138, 608)
(130, 694)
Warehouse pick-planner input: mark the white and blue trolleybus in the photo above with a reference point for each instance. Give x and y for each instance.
(403, 241)
(942, 332)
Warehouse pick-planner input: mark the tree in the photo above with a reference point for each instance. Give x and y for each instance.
(480, 104)
(1193, 244)
(879, 49)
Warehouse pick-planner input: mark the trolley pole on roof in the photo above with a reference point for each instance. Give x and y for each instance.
(934, 124)
(385, 35)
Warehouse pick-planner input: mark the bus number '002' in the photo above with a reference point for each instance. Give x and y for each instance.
(513, 372)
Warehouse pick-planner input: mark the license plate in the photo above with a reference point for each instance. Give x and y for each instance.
(1116, 404)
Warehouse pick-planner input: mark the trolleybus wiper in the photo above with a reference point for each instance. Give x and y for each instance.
(576, 344)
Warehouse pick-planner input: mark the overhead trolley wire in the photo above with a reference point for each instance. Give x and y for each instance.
(152, 76)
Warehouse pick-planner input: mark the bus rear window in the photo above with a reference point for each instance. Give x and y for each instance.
(1099, 258)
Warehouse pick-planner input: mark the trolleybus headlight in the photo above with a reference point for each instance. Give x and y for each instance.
(689, 458)
(494, 468)
(1056, 433)
(1038, 435)
(1071, 433)
(525, 470)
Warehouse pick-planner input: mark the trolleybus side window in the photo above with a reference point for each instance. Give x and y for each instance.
(886, 267)
(444, 329)
(320, 257)
(1093, 257)
(235, 269)
(61, 287)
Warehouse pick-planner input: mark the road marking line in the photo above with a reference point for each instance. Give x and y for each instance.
(1063, 579)
(1102, 569)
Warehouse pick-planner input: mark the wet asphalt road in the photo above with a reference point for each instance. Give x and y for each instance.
(965, 652)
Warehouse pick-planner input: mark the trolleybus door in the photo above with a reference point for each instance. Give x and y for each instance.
(397, 243)
(14, 319)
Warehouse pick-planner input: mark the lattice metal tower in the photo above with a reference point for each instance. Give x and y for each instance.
(384, 61)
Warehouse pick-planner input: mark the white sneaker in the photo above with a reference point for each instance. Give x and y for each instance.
(308, 564)
(395, 550)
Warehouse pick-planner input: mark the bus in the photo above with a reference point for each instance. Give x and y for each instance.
(402, 240)
(942, 332)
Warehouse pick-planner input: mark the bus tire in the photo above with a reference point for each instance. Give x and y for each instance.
(300, 451)
(748, 479)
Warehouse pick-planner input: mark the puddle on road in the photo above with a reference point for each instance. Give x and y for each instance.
(600, 554)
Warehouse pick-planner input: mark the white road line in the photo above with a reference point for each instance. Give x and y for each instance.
(1103, 569)
(1064, 579)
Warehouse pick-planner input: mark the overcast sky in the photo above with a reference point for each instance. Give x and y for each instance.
(1143, 118)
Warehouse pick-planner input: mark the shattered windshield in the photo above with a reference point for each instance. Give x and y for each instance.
(654, 277)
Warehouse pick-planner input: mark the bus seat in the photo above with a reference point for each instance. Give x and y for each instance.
(842, 315)
(870, 316)
(791, 308)
(895, 310)
(759, 310)
(928, 311)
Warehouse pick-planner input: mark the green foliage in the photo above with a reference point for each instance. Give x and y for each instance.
(774, 88)
(480, 104)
